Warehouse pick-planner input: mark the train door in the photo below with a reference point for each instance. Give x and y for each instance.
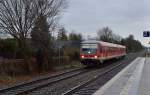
(100, 51)
(104, 52)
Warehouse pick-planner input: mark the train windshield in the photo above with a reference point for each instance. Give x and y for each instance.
(88, 51)
(89, 48)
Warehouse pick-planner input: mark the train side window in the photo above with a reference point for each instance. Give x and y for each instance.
(100, 48)
(103, 49)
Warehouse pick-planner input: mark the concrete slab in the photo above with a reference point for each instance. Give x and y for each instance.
(126, 82)
(144, 87)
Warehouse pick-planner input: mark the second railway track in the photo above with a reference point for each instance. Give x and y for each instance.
(33, 85)
(62, 86)
(85, 89)
(90, 86)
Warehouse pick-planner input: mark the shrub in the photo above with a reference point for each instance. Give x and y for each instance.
(8, 48)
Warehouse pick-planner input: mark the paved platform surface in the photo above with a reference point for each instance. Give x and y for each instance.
(132, 80)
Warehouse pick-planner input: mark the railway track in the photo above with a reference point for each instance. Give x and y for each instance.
(76, 89)
(42, 82)
(62, 86)
(90, 86)
(85, 71)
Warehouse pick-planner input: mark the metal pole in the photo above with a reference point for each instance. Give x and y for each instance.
(59, 55)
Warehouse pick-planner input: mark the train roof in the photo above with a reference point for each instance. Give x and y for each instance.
(103, 43)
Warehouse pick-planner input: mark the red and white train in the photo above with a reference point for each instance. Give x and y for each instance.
(93, 52)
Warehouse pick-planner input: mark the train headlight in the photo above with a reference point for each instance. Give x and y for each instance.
(95, 56)
(82, 56)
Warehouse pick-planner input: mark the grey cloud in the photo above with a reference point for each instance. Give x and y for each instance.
(123, 16)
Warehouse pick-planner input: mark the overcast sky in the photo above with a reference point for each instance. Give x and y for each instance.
(124, 17)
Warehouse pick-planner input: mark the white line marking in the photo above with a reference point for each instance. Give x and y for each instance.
(110, 82)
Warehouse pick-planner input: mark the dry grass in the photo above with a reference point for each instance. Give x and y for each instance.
(12, 71)
(6, 80)
(74, 64)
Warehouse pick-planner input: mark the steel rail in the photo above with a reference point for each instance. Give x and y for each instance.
(15, 87)
(75, 89)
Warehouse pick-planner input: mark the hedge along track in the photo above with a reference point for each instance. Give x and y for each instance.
(41, 82)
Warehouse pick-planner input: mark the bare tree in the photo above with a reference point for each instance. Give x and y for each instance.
(105, 34)
(17, 17)
(62, 36)
(131, 44)
(75, 37)
(41, 40)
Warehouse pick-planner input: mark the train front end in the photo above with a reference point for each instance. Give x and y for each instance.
(89, 53)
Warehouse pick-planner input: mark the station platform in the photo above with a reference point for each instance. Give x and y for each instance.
(132, 80)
